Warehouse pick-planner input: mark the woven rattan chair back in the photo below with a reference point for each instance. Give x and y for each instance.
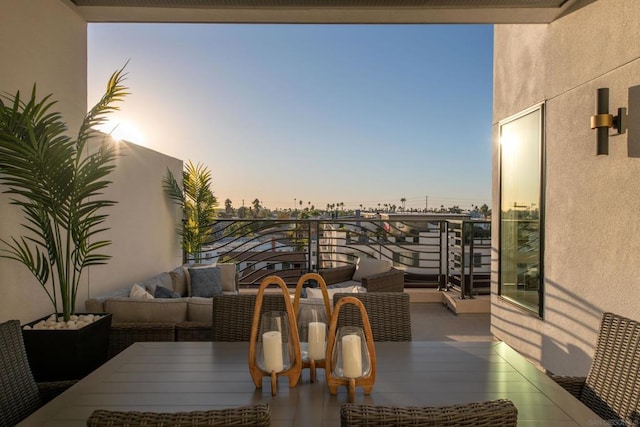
(389, 314)
(233, 314)
(19, 395)
(495, 413)
(612, 387)
(257, 415)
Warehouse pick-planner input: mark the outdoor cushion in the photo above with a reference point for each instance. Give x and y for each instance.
(138, 292)
(228, 276)
(179, 279)
(346, 287)
(162, 279)
(205, 282)
(199, 309)
(162, 292)
(161, 310)
(366, 267)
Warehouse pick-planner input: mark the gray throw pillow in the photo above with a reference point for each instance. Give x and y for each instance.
(205, 282)
(162, 292)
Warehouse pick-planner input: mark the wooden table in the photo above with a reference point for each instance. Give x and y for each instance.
(187, 376)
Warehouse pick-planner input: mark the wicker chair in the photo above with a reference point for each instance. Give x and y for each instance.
(612, 387)
(20, 395)
(233, 314)
(257, 415)
(495, 413)
(389, 314)
(391, 281)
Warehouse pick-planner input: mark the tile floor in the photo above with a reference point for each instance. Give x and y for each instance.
(435, 322)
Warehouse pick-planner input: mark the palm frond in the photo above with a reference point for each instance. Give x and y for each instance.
(57, 186)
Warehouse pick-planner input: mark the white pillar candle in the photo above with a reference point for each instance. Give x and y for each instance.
(351, 356)
(272, 351)
(317, 338)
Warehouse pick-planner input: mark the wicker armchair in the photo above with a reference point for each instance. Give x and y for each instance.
(257, 415)
(612, 387)
(20, 395)
(233, 314)
(390, 281)
(389, 314)
(495, 413)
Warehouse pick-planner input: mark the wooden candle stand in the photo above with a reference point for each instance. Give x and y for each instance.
(367, 381)
(294, 371)
(312, 364)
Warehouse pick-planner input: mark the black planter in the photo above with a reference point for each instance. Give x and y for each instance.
(56, 355)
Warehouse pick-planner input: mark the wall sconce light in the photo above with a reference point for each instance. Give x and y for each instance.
(602, 121)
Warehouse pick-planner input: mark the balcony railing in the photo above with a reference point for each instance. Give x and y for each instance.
(433, 253)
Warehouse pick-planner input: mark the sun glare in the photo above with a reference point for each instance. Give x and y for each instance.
(122, 130)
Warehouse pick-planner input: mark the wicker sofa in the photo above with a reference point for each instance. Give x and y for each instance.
(373, 274)
(182, 317)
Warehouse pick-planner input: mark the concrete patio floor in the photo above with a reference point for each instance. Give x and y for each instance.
(433, 321)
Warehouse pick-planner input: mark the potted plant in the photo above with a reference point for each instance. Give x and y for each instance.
(198, 207)
(57, 183)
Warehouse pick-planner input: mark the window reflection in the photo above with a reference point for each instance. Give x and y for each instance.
(520, 195)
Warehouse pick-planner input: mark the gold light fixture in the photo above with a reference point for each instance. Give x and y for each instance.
(602, 121)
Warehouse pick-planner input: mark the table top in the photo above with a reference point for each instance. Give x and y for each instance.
(190, 376)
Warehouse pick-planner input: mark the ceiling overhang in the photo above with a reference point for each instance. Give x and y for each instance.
(328, 11)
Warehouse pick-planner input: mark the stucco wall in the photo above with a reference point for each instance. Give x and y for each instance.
(142, 225)
(45, 43)
(592, 248)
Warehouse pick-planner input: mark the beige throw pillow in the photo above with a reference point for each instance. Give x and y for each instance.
(228, 276)
(139, 292)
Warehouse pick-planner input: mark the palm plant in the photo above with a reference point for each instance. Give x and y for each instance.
(198, 206)
(57, 186)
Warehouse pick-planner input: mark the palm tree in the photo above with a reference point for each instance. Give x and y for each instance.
(256, 205)
(403, 201)
(57, 185)
(198, 206)
(228, 207)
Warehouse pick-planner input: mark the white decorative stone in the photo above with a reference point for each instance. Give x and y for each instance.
(75, 322)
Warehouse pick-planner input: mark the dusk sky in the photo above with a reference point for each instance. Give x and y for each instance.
(353, 114)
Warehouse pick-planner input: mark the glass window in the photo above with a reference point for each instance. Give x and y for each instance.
(521, 177)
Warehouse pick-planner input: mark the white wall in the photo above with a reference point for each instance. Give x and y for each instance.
(142, 224)
(592, 232)
(45, 42)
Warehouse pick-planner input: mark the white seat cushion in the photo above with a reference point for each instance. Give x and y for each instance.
(366, 267)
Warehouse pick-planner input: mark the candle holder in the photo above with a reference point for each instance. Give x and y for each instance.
(274, 346)
(312, 326)
(351, 356)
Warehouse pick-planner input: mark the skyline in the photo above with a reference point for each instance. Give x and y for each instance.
(353, 114)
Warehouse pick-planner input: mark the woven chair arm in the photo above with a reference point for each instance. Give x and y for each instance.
(390, 281)
(257, 415)
(51, 389)
(573, 385)
(498, 413)
(337, 274)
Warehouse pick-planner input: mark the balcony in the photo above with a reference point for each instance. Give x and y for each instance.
(433, 252)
